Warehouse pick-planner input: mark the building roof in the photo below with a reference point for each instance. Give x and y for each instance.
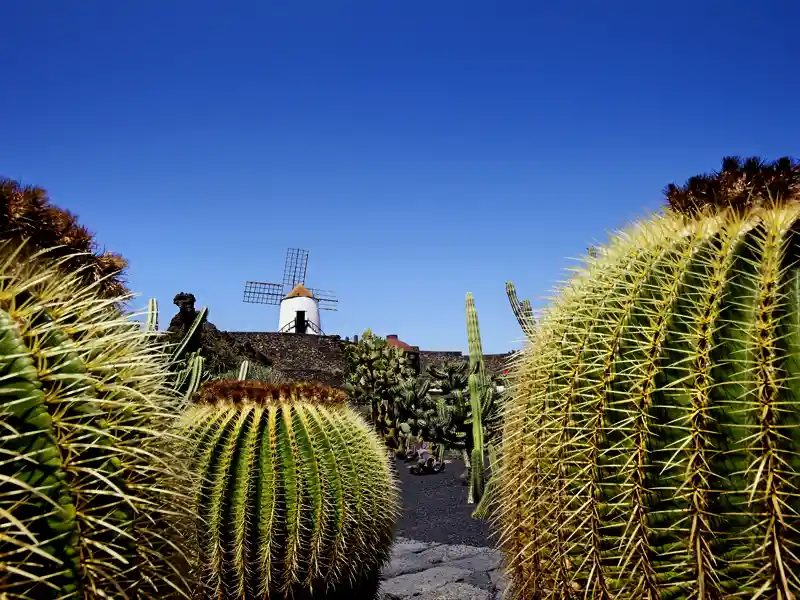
(393, 341)
(299, 291)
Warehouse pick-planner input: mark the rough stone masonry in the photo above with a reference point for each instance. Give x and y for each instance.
(431, 571)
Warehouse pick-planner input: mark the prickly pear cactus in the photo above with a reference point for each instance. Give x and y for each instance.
(89, 500)
(377, 370)
(651, 447)
(295, 492)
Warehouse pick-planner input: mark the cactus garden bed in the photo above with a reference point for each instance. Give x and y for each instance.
(435, 508)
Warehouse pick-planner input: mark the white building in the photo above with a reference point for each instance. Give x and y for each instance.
(300, 312)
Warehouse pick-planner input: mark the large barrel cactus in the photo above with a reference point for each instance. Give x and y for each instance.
(295, 492)
(651, 445)
(90, 503)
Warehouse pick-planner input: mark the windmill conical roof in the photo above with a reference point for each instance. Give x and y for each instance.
(300, 291)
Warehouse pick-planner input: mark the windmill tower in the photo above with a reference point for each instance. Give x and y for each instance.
(299, 306)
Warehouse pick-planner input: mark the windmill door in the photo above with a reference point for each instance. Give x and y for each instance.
(300, 321)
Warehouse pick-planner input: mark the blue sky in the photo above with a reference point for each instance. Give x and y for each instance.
(418, 149)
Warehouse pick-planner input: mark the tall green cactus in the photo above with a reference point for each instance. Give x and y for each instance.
(651, 447)
(90, 500)
(295, 492)
(479, 388)
(522, 310)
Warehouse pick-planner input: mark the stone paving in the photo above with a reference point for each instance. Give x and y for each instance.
(432, 571)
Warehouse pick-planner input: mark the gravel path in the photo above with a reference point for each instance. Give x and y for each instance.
(435, 508)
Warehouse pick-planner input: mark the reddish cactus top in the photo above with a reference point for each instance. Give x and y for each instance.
(260, 392)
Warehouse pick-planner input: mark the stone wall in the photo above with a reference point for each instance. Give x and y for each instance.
(495, 363)
(301, 357)
(321, 358)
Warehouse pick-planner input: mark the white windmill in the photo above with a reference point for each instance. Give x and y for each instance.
(299, 306)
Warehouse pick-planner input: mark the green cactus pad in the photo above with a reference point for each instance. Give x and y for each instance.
(295, 492)
(651, 440)
(84, 476)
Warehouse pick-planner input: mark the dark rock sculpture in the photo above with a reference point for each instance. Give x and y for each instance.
(222, 352)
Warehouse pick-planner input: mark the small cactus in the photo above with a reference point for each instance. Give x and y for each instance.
(295, 492)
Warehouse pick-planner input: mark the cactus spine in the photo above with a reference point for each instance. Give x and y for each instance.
(295, 490)
(90, 502)
(651, 447)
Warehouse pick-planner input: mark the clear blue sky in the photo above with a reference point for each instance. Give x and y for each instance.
(418, 149)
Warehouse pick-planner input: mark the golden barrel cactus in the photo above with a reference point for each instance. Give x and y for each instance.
(90, 502)
(295, 492)
(651, 444)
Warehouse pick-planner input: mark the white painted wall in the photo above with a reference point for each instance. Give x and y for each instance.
(290, 306)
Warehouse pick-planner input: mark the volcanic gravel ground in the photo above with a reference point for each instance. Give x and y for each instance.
(435, 508)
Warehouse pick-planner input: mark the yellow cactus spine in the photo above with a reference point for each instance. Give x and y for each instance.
(651, 443)
(294, 490)
(90, 500)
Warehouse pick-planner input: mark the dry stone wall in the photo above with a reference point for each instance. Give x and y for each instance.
(322, 359)
(301, 357)
(495, 363)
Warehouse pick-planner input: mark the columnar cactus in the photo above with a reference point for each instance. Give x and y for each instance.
(651, 447)
(90, 502)
(523, 310)
(478, 388)
(294, 491)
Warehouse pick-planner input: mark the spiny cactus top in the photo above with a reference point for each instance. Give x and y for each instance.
(295, 490)
(651, 444)
(26, 213)
(85, 479)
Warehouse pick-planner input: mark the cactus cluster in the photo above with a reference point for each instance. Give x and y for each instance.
(376, 372)
(295, 492)
(187, 368)
(416, 412)
(651, 442)
(451, 425)
(90, 502)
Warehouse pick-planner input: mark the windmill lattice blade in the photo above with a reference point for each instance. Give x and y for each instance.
(258, 292)
(294, 270)
(326, 298)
